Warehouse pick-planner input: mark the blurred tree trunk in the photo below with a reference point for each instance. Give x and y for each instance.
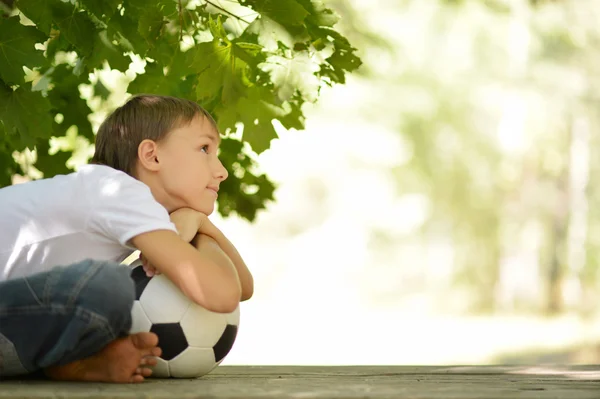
(558, 231)
(558, 236)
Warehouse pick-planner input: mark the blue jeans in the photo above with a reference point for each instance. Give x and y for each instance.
(65, 314)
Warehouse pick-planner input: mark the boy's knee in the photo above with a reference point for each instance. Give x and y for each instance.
(110, 294)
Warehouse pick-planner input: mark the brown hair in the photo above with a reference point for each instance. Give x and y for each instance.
(142, 117)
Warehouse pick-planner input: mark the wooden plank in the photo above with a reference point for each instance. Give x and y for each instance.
(345, 382)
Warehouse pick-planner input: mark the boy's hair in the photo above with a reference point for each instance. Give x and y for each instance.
(142, 117)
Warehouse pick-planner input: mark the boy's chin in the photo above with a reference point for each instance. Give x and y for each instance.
(206, 209)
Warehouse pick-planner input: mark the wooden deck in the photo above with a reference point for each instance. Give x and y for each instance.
(377, 382)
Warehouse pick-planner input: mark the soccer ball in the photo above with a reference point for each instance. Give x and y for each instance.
(194, 341)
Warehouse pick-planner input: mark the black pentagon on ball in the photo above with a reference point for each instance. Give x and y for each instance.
(138, 275)
(225, 343)
(171, 339)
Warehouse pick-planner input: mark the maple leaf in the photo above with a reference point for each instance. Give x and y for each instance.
(65, 99)
(285, 12)
(25, 112)
(17, 49)
(291, 74)
(75, 25)
(39, 12)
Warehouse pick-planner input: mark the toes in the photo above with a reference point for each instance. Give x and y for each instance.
(146, 372)
(152, 352)
(144, 340)
(149, 361)
(143, 371)
(136, 378)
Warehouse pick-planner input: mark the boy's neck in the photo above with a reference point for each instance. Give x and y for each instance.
(158, 192)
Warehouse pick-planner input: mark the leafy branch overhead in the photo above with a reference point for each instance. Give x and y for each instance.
(248, 63)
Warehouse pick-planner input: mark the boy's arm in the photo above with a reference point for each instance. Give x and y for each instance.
(191, 224)
(211, 236)
(203, 276)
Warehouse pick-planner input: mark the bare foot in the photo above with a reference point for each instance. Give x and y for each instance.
(121, 361)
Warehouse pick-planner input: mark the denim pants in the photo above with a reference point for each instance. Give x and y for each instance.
(62, 315)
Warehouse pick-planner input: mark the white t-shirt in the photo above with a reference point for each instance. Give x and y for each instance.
(88, 214)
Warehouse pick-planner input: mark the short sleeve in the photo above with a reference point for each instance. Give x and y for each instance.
(123, 207)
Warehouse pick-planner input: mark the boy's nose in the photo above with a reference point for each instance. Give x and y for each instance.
(222, 173)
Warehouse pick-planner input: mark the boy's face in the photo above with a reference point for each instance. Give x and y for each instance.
(190, 171)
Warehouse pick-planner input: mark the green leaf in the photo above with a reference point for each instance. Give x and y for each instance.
(326, 17)
(286, 12)
(56, 44)
(233, 197)
(66, 100)
(150, 24)
(39, 12)
(75, 25)
(343, 58)
(167, 53)
(250, 48)
(226, 118)
(215, 25)
(25, 112)
(100, 8)
(151, 81)
(124, 29)
(257, 114)
(251, 53)
(169, 8)
(216, 66)
(17, 49)
(104, 50)
(211, 61)
(342, 61)
(293, 74)
(320, 15)
(8, 166)
(51, 165)
(220, 72)
(294, 119)
(101, 91)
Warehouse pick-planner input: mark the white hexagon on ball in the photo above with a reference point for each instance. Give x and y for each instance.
(139, 320)
(202, 328)
(233, 318)
(163, 302)
(161, 370)
(193, 362)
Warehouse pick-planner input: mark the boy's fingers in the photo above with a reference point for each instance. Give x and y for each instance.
(150, 270)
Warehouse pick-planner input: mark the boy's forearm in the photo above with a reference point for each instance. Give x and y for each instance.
(246, 279)
(212, 251)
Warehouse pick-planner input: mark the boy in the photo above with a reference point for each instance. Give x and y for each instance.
(65, 300)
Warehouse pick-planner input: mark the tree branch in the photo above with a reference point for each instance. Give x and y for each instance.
(227, 12)
(180, 21)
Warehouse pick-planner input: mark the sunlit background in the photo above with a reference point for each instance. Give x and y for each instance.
(442, 206)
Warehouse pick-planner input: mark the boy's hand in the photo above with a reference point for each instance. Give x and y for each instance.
(148, 268)
(188, 222)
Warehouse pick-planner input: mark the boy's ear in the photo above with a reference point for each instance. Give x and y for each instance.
(148, 155)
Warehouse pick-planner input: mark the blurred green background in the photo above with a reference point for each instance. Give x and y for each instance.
(442, 205)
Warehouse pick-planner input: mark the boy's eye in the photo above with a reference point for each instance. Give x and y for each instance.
(204, 148)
